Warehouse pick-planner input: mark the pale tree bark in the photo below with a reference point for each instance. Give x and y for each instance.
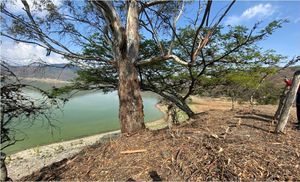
(126, 48)
(285, 91)
(284, 116)
(131, 112)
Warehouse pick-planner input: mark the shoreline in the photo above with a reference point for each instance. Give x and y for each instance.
(45, 80)
(25, 162)
(150, 124)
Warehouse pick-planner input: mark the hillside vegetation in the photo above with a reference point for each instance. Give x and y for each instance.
(60, 72)
(56, 71)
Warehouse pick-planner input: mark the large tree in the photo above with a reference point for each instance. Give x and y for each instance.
(229, 48)
(59, 28)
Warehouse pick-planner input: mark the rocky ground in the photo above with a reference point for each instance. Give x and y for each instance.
(219, 144)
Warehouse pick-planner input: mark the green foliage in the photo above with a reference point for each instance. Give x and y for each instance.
(232, 64)
(98, 46)
(269, 93)
(242, 84)
(243, 79)
(56, 92)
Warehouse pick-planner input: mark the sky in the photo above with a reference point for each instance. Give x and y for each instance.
(285, 41)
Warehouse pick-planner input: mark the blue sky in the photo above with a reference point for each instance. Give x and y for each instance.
(285, 41)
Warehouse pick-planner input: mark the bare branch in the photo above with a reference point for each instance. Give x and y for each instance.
(174, 28)
(151, 3)
(40, 32)
(41, 36)
(207, 10)
(206, 39)
(20, 40)
(162, 58)
(112, 19)
(154, 34)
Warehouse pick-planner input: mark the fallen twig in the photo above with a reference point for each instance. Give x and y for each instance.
(133, 151)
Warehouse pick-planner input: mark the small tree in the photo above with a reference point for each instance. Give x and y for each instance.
(246, 84)
(18, 107)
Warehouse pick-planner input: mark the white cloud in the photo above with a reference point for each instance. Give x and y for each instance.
(22, 53)
(16, 6)
(259, 11)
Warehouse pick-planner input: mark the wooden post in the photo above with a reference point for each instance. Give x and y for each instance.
(283, 97)
(284, 116)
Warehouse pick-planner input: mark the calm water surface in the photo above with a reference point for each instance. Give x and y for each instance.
(84, 115)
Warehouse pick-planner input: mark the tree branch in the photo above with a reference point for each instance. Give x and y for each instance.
(174, 28)
(151, 3)
(112, 19)
(207, 10)
(206, 39)
(162, 58)
(154, 34)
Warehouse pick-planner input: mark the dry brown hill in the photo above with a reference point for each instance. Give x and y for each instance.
(279, 77)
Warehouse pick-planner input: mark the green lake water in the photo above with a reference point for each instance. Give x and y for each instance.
(84, 115)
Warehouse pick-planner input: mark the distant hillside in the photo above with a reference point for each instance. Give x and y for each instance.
(279, 77)
(67, 73)
(55, 71)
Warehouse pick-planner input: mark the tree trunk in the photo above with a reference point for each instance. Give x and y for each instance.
(169, 117)
(252, 103)
(126, 48)
(3, 170)
(281, 103)
(131, 104)
(232, 103)
(181, 104)
(288, 103)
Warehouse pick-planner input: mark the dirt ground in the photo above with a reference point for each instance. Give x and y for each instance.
(219, 144)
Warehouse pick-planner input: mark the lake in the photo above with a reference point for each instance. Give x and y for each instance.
(84, 115)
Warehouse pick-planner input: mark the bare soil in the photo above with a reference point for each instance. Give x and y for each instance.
(219, 144)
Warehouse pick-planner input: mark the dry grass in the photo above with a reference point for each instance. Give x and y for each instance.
(218, 145)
